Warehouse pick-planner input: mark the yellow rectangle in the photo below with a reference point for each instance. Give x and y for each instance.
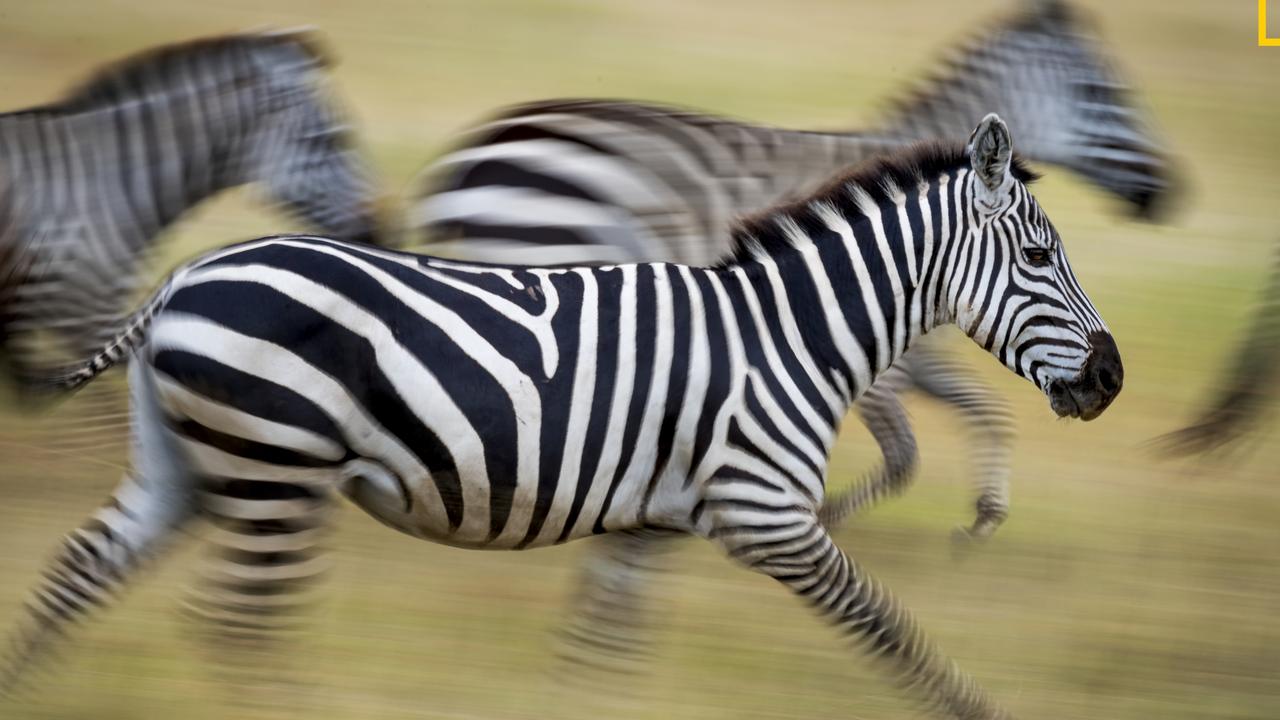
(1263, 40)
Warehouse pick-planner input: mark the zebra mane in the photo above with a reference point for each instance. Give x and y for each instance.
(122, 78)
(880, 178)
(1056, 17)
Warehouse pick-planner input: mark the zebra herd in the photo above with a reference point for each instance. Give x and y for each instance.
(637, 321)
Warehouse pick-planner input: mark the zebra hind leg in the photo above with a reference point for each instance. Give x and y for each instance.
(796, 550)
(97, 560)
(255, 586)
(610, 625)
(94, 565)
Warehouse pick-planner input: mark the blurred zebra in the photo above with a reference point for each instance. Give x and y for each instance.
(610, 181)
(90, 181)
(509, 407)
(1244, 398)
(568, 181)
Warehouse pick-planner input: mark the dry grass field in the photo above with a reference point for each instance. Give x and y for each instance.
(1124, 586)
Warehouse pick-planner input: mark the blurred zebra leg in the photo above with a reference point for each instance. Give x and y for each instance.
(887, 420)
(801, 555)
(264, 556)
(1243, 400)
(97, 560)
(939, 375)
(610, 625)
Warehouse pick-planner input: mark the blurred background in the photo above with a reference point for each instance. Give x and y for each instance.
(1124, 585)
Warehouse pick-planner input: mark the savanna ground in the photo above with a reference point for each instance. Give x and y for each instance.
(1124, 585)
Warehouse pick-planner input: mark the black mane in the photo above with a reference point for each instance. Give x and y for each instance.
(758, 233)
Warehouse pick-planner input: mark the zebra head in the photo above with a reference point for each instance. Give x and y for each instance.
(1011, 288)
(307, 159)
(1047, 74)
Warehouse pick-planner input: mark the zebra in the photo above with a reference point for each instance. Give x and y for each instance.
(515, 407)
(613, 181)
(590, 180)
(1244, 400)
(92, 179)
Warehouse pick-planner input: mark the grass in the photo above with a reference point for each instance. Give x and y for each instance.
(1124, 585)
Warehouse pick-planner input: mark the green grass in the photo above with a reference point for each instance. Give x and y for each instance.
(1123, 586)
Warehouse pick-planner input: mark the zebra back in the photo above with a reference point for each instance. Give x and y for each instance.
(612, 181)
(263, 100)
(171, 66)
(595, 180)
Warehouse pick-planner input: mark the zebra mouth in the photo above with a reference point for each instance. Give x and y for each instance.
(1062, 401)
(1075, 401)
(1085, 401)
(1091, 391)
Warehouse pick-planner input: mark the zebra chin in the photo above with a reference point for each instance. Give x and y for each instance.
(1091, 392)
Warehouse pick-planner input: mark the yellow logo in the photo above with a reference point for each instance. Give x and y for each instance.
(1263, 40)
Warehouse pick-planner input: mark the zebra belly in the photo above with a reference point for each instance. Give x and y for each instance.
(411, 506)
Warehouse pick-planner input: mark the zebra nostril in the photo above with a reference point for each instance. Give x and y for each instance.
(1107, 381)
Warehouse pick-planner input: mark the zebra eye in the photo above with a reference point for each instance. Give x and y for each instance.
(1036, 256)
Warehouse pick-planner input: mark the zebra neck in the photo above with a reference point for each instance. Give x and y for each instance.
(845, 287)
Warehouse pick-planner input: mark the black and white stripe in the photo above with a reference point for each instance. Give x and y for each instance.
(511, 407)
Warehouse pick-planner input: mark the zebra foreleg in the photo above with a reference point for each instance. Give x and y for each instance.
(791, 547)
(887, 420)
(610, 625)
(1242, 404)
(991, 433)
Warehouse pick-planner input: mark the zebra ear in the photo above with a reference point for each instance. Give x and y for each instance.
(990, 151)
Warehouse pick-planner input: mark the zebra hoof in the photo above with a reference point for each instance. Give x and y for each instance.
(963, 542)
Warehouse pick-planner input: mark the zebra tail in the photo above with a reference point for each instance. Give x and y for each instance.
(39, 387)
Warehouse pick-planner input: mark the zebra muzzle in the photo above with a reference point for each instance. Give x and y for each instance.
(1097, 385)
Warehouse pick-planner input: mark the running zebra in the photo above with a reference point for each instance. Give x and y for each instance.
(604, 181)
(572, 181)
(90, 181)
(508, 407)
(1246, 398)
